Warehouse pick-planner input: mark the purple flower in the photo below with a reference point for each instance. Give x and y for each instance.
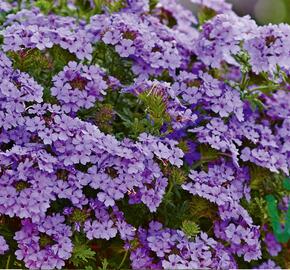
(268, 265)
(175, 251)
(222, 98)
(104, 230)
(269, 48)
(44, 245)
(220, 38)
(3, 245)
(125, 48)
(79, 86)
(43, 31)
(219, 6)
(273, 246)
(233, 233)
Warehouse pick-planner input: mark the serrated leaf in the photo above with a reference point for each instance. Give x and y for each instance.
(44, 5)
(155, 106)
(205, 14)
(207, 153)
(257, 208)
(106, 56)
(200, 207)
(153, 4)
(190, 228)
(82, 254)
(259, 176)
(105, 265)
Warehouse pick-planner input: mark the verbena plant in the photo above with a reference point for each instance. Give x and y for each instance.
(138, 135)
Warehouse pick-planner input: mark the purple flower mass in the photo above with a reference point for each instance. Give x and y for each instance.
(139, 135)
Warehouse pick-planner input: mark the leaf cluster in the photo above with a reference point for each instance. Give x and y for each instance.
(82, 254)
(155, 107)
(190, 228)
(105, 56)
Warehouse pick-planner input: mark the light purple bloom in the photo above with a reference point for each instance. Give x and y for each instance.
(3, 245)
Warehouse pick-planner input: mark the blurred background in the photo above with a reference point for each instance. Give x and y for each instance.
(264, 11)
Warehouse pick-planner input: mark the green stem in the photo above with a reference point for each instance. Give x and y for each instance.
(171, 185)
(117, 99)
(8, 261)
(95, 55)
(270, 87)
(138, 106)
(19, 2)
(244, 81)
(203, 160)
(167, 194)
(124, 259)
(98, 6)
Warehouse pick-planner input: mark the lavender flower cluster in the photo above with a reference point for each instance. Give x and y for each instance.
(137, 134)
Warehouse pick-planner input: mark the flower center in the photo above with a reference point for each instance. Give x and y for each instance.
(194, 83)
(62, 174)
(112, 172)
(45, 240)
(129, 35)
(79, 83)
(270, 40)
(21, 185)
(78, 215)
(104, 118)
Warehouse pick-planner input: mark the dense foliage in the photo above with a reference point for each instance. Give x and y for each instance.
(136, 134)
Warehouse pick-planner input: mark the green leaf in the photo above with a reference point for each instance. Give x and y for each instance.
(153, 4)
(243, 58)
(200, 207)
(259, 176)
(257, 209)
(155, 106)
(190, 228)
(286, 184)
(281, 231)
(205, 14)
(115, 6)
(177, 176)
(106, 56)
(208, 154)
(266, 182)
(82, 253)
(105, 265)
(44, 5)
